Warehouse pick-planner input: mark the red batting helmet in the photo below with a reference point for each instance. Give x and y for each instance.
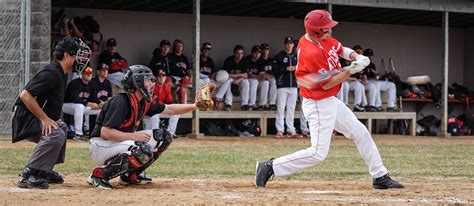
(316, 20)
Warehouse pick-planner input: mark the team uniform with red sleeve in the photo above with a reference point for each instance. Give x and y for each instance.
(325, 113)
(162, 94)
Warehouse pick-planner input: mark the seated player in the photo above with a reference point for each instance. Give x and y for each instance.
(80, 102)
(116, 146)
(162, 94)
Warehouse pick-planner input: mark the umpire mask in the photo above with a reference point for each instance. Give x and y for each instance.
(140, 78)
(74, 46)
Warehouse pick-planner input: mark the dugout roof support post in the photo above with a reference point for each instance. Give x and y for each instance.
(195, 59)
(444, 76)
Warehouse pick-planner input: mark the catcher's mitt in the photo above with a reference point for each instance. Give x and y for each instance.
(204, 96)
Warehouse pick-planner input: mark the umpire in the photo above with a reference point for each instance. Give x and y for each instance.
(37, 114)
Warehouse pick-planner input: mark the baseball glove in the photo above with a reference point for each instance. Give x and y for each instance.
(204, 96)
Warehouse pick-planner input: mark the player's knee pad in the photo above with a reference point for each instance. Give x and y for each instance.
(140, 154)
(163, 139)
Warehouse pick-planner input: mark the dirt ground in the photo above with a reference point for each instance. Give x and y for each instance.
(75, 191)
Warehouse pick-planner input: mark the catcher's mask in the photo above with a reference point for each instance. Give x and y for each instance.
(75, 46)
(140, 78)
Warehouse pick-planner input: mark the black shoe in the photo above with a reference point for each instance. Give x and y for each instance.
(264, 170)
(245, 108)
(141, 180)
(80, 138)
(261, 108)
(378, 109)
(272, 107)
(252, 108)
(393, 109)
(53, 178)
(33, 182)
(385, 182)
(370, 109)
(228, 107)
(358, 108)
(31, 178)
(175, 136)
(98, 182)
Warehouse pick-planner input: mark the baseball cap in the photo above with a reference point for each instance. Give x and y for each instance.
(165, 42)
(288, 39)
(88, 70)
(111, 42)
(206, 45)
(256, 48)
(264, 46)
(102, 66)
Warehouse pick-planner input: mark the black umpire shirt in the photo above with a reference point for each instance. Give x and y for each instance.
(117, 111)
(48, 87)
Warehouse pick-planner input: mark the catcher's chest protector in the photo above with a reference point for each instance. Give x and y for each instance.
(136, 116)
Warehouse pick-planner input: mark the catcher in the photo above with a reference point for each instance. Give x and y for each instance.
(116, 146)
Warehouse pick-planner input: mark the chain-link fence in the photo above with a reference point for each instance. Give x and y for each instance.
(14, 41)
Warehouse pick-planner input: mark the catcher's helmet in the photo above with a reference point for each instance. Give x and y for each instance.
(135, 80)
(73, 46)
(316, 20)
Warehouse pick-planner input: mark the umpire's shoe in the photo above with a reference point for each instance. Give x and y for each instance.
(53, 177)
(264, 170)
(98, 182)
(30, 178)
(385, 182)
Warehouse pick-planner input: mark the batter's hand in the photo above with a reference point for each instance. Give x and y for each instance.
(354, 67)
(362, 60)
(141, 136)
(48, 126)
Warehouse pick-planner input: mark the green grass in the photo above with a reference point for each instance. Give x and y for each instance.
(237, 161)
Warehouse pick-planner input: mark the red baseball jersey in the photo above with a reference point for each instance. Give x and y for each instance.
(319, 58)
(162, 94)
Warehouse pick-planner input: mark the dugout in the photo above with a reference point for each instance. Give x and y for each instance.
(411, 33)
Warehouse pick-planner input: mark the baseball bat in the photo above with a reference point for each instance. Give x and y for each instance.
(311, 80)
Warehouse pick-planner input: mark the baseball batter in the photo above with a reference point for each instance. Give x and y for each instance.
(318, 53)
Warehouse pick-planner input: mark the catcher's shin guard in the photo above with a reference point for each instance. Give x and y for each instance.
(163, 140)
(137, 157)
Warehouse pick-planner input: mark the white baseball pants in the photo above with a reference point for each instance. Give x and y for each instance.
(375, 87)
(391, 89)
(324, 116)
(222, 89)
(153, 122)
(272, 91)
(286, 99)
(303, 123)
(79, 111)
(263, 87)
(253, 91)
(359, 93)
(244, 87)
(343, 93)
(101, 149)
